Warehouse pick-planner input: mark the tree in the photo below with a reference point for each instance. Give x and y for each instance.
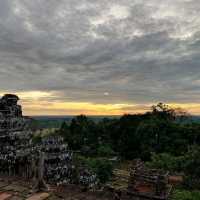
(163, 111)
(84, 132)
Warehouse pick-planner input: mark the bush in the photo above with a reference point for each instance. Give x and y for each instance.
(105, 150)
(185, 195)
(167, 162)
(102, 167)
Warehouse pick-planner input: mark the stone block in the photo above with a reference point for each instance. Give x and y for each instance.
(39, 196)
(15, 188)
(5, 196)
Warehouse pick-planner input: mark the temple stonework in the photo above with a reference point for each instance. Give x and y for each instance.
(58, 165)
(15, 138)
(49, 161)
(147, 183)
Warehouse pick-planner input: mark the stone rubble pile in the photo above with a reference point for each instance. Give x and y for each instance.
(151, 183)
(87, 178)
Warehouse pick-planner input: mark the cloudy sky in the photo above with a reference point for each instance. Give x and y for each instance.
(66, 57)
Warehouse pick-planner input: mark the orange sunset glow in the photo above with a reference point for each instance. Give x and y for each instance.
(38, 103)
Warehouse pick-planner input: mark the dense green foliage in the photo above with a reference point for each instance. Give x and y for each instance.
(167, 162)
(185, 195)
(105, 151)
(164, 138)
(188, 164)
(133, 136)
(103, 168)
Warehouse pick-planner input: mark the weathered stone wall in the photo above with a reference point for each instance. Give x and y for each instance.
(19, 157)
(147, 183)
(15, 139)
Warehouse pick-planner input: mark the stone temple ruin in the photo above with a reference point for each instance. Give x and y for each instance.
(147, 183)
(58, 163)
(15, 137)
(50, 161)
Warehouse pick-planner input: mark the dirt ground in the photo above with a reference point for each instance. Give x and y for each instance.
(16, 189)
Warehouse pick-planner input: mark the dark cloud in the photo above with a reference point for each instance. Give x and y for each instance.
(138, 51)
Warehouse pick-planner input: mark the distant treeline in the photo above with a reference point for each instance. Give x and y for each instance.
(44, 122)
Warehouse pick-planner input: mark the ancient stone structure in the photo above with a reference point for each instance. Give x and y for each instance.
(15, 138)
(87, 178)
(58, 166)
(50, 161)
(147, 183)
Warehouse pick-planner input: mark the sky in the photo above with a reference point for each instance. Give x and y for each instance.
(100, 57)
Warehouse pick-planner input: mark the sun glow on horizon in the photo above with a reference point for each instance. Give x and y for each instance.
(47, 103)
